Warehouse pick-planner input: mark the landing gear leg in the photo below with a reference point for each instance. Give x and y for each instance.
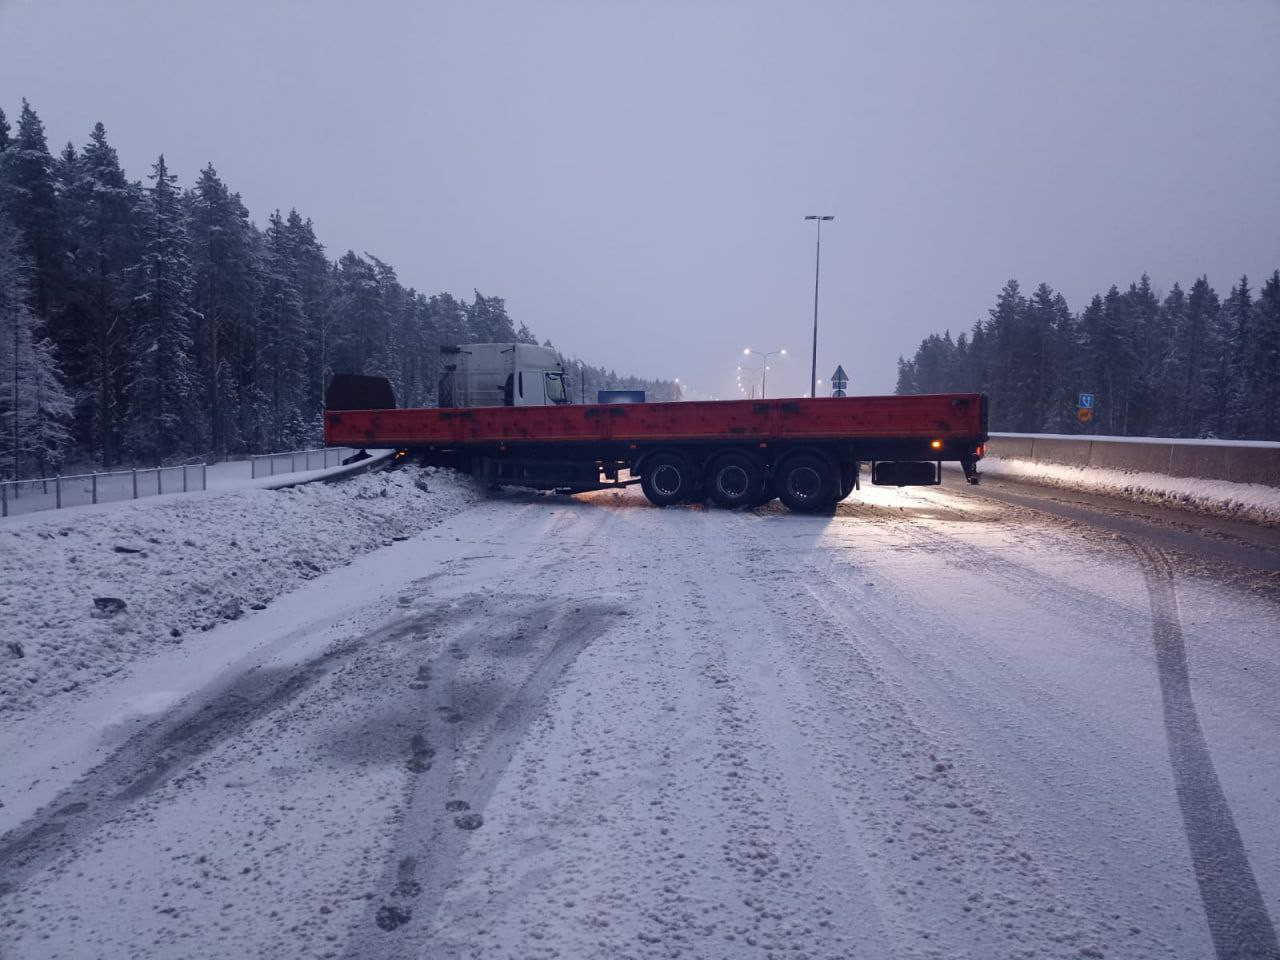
(970, 467)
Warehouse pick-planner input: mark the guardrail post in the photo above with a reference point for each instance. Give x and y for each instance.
(204, 476)
(93, 480)
(57, 492)
(4, 499)
(184, 478)
(135, 483)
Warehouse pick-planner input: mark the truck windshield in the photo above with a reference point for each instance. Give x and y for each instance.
(555, 388)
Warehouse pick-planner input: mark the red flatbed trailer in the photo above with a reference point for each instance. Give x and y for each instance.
(738, 452)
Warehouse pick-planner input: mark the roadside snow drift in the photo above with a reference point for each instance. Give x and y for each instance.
(82, 594)
(1241, 501)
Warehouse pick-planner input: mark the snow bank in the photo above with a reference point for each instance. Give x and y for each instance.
(1242, 501)
(181, 567)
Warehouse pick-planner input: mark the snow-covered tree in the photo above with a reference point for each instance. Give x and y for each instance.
(226, 279)
(29, 196)
(161, 385)
(100, 208)
(34, 404)
(281, 361)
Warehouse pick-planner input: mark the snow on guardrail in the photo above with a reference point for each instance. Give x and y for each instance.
(1238, 479)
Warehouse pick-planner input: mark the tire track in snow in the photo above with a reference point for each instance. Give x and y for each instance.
(160, 754)
(1233, 904)
(475, 725)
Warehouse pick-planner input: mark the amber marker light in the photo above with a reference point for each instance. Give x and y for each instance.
(936, 444)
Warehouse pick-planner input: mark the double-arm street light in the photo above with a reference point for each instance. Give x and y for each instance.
(817, 266)
(764, 355)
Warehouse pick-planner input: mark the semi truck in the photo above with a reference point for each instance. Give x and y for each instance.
(507, 416)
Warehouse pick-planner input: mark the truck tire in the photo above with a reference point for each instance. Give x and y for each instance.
(667, 479)
(734, 480)
(807, 483)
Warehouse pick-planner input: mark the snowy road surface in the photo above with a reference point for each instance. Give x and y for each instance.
(935, 724)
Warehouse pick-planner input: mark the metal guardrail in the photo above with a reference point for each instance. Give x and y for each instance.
(269, 464)
(54, 493)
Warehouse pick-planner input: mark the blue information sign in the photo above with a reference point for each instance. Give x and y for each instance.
(1086, 401)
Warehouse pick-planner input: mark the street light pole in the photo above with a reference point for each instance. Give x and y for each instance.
(764, 374)
(817, 266)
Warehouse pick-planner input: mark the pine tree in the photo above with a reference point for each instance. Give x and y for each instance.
(161, 383)
(1167, 394)
(1221, 398)
(281, 359)
(1039, 353)
(488, 320)
(358, 302)
(30, 198)
(99, 207)
(1237, 322)
(1264, 360)
(311, 278)
(1194, 352)
(225, 286)
(34, 404)
(1012, 359)
(1142, 320)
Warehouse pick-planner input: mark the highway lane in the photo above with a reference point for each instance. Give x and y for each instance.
(940, 722)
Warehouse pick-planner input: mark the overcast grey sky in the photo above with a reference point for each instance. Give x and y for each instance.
(632, 177)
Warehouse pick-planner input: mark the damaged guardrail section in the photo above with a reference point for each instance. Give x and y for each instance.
(1241, 461)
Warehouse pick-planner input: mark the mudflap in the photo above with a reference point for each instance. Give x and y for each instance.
(356, 458)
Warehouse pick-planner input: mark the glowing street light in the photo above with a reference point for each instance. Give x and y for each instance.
(765, 355)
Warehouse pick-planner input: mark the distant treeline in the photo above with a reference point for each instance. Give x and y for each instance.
(145, 323)
(1188, 365)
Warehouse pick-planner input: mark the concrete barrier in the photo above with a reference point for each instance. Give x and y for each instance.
(1238, 462)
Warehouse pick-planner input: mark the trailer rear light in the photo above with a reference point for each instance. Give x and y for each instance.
(980, 450)
(936, 444)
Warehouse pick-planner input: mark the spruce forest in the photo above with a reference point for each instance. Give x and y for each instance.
(144, 323)
(1185, 364)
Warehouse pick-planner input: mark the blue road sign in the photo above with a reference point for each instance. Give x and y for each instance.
(1086, 401)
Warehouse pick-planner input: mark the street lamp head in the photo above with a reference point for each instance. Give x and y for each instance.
(746, 351)
(783, 352)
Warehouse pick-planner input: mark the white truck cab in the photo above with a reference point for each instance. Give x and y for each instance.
(501, 375)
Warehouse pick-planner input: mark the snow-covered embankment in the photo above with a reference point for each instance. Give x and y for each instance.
(84, 593)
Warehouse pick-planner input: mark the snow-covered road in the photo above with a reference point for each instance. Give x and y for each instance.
(934, 724)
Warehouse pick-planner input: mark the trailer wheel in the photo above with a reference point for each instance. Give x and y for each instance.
(735, 480)
(807, 483)
(668, 479)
